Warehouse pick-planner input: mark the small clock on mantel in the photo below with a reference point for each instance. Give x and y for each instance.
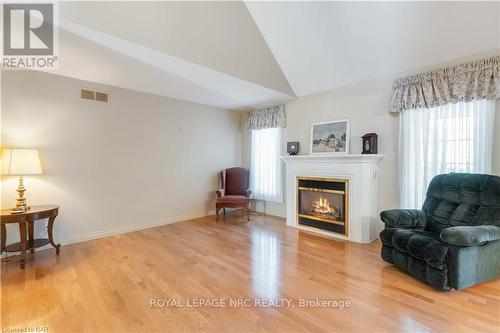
(370, 143)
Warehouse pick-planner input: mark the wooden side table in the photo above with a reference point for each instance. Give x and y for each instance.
(26, 223)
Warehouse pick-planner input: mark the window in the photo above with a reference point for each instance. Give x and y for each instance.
(450, 138)
(266, 174)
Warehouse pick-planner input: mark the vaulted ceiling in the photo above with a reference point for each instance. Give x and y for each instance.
(238, 55)
(323, 45)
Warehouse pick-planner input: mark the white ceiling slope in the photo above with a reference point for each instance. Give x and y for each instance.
(324, 45)
(238, 55)
(94, 56)
(210, 53)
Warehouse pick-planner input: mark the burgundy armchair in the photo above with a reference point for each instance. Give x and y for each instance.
(234, 191)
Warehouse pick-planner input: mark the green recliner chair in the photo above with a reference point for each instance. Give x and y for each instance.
(454, 241)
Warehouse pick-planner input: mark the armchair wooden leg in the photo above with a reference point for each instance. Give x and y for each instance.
(224, 210)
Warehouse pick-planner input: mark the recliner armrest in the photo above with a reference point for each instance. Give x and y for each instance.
(220, 193)
(470, 235)
(404, 218)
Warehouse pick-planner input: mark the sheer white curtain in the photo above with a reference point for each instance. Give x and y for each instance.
(450, 138)
(266, 175)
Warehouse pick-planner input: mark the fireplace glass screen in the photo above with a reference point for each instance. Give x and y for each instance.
(322, 203)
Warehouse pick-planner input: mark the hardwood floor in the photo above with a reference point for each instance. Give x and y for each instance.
(108, 284)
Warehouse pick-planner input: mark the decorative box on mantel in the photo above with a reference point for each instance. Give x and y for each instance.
(333, 195)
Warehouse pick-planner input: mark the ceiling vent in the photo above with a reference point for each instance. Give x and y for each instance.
(94, 95)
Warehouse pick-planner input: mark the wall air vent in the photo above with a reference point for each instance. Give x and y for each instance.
(87, 94)
(94, 95)
(101, 97)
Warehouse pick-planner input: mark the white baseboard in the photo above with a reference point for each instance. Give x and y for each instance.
(129, 228)
(121, 230)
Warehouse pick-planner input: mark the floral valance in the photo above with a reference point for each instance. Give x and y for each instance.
(471, 81)
(270, 117)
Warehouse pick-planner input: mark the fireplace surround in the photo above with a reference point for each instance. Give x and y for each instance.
(358, 173)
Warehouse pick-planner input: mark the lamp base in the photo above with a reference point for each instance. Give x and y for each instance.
(21, 200)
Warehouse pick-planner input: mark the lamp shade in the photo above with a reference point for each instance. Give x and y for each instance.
(20, 161)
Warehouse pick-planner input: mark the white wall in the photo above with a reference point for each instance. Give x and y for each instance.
(139, 159)
(366, 105)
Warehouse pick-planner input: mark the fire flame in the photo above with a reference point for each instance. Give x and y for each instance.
(322, 206)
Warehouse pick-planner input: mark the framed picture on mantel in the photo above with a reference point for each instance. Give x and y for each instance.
(330, 137)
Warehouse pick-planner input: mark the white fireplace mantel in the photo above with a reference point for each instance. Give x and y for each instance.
(360, 170)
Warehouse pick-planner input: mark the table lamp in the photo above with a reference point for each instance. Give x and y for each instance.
(20, 162)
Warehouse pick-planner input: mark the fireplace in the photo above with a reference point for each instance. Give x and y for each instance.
(322, 203)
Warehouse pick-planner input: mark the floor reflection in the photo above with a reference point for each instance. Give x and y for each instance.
(411, 325)
(265, 264)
